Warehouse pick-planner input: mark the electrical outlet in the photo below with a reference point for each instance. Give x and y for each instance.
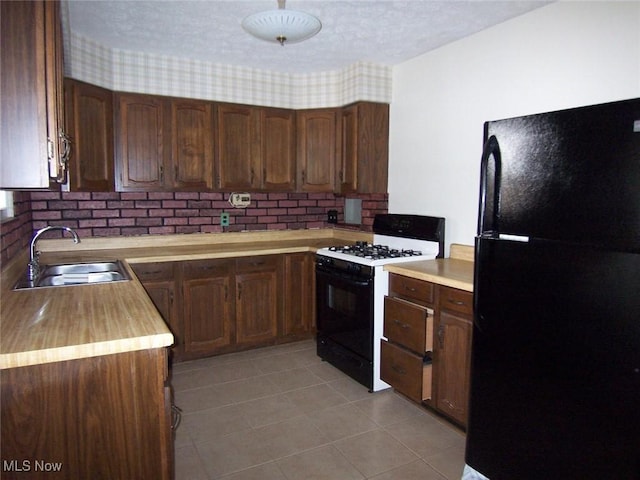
(240, 200)
(224, 219)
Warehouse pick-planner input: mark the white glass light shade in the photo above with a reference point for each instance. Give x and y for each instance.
(282, 25)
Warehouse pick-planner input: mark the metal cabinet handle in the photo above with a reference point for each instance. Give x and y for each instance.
(441, 336)
(401, 324)
(456, 302)
(176, 416)
(239, 291)
(411, 289)
(398, 370)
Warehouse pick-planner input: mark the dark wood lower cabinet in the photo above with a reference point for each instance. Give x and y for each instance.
(427, 356)
(103, 417)
(258, 299)
(159, 280)
(215, 306)
(299, 317)
(452, 352)
(207, 306)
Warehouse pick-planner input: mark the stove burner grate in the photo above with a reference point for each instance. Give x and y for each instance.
(374, 252)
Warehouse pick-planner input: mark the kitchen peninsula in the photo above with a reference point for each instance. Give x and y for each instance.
(86, 366)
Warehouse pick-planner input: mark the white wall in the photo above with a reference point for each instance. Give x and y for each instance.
(562, 55)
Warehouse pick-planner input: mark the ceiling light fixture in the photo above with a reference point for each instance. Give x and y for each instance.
(282, 25)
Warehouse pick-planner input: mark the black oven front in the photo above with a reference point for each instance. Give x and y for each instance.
(345, 316)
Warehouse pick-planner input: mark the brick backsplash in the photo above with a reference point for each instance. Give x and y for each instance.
(98, 214)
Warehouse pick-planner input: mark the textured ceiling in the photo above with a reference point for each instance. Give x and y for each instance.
(384, 32)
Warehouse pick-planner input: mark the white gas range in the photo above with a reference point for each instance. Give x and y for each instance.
(351, 285)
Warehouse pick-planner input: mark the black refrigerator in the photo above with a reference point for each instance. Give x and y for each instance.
(555, 363)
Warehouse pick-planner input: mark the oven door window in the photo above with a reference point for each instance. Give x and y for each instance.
(345, 312)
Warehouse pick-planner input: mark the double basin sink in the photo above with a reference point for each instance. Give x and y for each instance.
(77, 274)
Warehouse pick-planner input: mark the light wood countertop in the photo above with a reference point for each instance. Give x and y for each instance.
(455, 271)
(53, 324)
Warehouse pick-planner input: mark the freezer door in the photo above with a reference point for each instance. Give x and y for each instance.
(572, 175)
(555, 384)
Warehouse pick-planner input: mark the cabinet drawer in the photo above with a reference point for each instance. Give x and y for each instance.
(456, 300)
(205, 268)
(405, 371)
(408, 324)
(257, 263)
(153, 271)
(411, 289)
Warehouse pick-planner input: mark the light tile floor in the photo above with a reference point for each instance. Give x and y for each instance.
(280, 413)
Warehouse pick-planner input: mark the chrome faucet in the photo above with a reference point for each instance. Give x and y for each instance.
(34, 263)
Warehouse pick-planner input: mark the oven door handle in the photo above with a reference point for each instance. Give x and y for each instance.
(348, 279)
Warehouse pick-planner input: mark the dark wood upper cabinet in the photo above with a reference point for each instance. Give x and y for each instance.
(363, 164)
(255, 148)
(277, 149)
(163, 143)
(139, 142)
(317, 141)
(33, 146)
(192, 141)
(89, 120)
(237, 165)
(347, 170)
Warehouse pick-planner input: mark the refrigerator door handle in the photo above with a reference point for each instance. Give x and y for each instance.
(488, 221)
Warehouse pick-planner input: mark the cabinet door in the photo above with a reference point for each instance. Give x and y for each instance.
(98, 417)
(317, 140)
(89, 118)
(299, 305)
(257, 299)
(237, 167)
(192, 144)
(31, 110)
(348, 166)
(139, 142)
(159, 280)
(59, 148)
(277, 150)
(208, 313)
(452, 353)
(163, 296)
(372, 147)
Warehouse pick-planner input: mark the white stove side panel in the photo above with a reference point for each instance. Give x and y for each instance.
(380, 288)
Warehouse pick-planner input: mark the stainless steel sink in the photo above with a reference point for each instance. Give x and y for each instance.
(82, 268)
(77, 274)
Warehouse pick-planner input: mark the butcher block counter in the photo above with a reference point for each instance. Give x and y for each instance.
(455, 271)
(52, 324)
